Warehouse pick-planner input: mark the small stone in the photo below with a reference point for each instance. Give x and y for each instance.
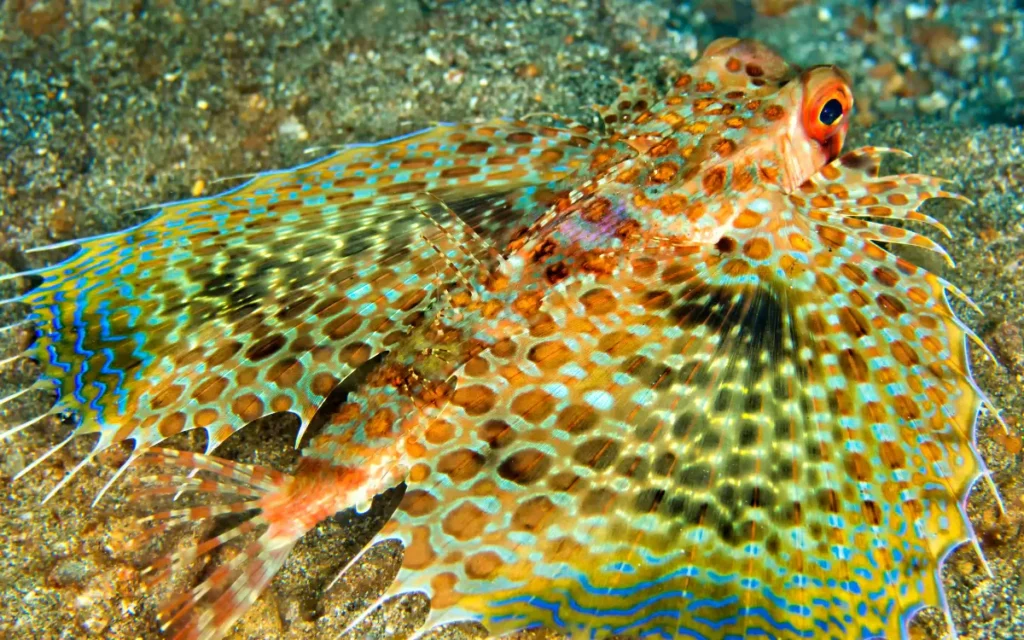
(1007, 342)
(433, 56)
(71, 572)
(933, 102)
(291, 128)
(13, 462)
(528, 71)
(96, 625)
(454, 76)
(63, 221)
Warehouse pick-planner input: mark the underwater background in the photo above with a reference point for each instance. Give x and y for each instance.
(109, 106)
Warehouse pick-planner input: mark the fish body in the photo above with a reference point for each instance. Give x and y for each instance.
(664, 379)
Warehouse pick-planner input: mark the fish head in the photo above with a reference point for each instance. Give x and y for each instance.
(749, 105)
(814, 132)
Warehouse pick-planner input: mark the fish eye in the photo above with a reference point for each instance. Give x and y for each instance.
(831, 112)
(827, 103)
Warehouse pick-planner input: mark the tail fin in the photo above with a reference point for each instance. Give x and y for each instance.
(283, 509)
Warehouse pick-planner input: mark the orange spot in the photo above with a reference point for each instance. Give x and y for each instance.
(461, 464)
(664, 172)
(671, 204)
(830, 172)
(918, 295)
(882, 186)
(599, 301)
(736, 268)
(477, 366)
(419, 472)
(280, 403)
(439, 432)
(223, 433)
(774, 112)
(166, 396)
(891, 305)
(713, 180)
(505, 348)
(747, 219)
(420, 553)
(696, 128)
(663, 148)
(343, 326)
(534, 405)
(853, 322)
(906, 408)
(671, 118)
(478, 146)
(380, 423)
(418, 502)
(205, 417)
(527, 304)
(524, 467)
(724, 147)
(832, 237)
(248, 407)
(873, 251)
(465, 521)
(853, 365)
(757, 249)
(475, 400)
(619, 343)
(853, 273)
(210, 389)
(534, 514)
(483, 565)
(885, 276)
(596, 210)
(799, 242)
(576, 419)
(550, 355)
(701, 104)
(172, 424)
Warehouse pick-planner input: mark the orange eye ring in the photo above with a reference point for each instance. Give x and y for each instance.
(826, 108)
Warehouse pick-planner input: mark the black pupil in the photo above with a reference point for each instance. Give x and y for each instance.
(830, 112)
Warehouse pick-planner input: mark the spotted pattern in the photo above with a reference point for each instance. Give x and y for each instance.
(720, 438)
(666, 380)
(222, 310)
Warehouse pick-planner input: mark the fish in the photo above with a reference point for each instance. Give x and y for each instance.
(663, 377)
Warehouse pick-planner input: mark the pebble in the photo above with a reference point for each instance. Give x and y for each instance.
(72, 572)
(933, 102)
(291, 128)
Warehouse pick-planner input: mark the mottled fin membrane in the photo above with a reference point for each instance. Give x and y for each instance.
(221, 310)
(769, 437)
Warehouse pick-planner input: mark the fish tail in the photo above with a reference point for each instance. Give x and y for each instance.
(282, 509)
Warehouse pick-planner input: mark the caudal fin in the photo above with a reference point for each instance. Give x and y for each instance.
(210, 608)
(282, 509)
